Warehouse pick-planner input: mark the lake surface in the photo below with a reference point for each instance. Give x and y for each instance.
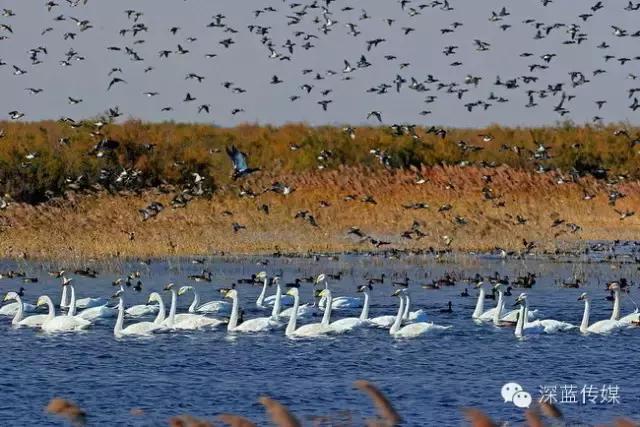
(428, 379)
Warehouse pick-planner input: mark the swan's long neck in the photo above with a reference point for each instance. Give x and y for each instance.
(51, 307)
(196, 302)
(161, 312)
(275, 313)
(499, 307)
(172, 310)
(20, 313)
(364, 315)
(396, 324)
(72, 303)
(260, 300)
(117, 329)
(520, 324)
(407, 299)
(326, 317)
(233, 321)
(291, 326)
(479, 305)
(615, 315)
(584, 326)
(64, 297)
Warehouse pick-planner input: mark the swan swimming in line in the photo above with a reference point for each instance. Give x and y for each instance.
(412, 316)
(259, 324)
(601, 327)
(349, 323)
(211, 307)
(81, 303)
(141, 328)
(62, 323)
(34, 321)
(490, 315)
(312, 329)
(91, 314)
(11, 309)
(337, 303)
(186, 321)
(548, 326)
(411, 330)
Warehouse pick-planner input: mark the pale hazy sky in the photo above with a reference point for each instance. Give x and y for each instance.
(247, 63)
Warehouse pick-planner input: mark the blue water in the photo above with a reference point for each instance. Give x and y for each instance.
(428, 379)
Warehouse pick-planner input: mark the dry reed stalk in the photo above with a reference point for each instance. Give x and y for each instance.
(235, 420)
(188, 421)
(477, 418)
(386, 411)
(279, 413)
(67, 409)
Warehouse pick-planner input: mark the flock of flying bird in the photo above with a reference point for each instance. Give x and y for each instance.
(304, 27)
(78, 314)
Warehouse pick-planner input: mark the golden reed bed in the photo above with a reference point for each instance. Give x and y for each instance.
(49, 173)
(104, 225)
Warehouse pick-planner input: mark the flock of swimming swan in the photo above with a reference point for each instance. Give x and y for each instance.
(404, 324)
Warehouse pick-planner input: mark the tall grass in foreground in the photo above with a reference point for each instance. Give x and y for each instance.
(542, 414)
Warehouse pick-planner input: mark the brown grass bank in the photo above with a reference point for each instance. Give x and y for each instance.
(462, 208)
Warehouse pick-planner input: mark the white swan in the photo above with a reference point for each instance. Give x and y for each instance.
(91, 314)
(498, 310)
(81, 303)
(211, 307)
(311, 329)
(600, 327)
(349, 323)
(34, 321)
(11, 309)
(141, 328)
(141, 310)
(265, 282)
(64, 323)
(412, 316)
(412, 330)
(259, 324)
(338, 303)
(304, 310)
(548, 326)
(187, 321)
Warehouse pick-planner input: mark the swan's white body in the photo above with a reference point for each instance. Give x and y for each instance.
(349, 323)
(63, 323)
(412, 316)
(18, 320)
(139, 329)
(211, 307)
(12, 308)
(305, 310)
(91, 314)
(631, 318)
(142, 310)
(187, 321)
(259, 324)
(412, 330)
(490, 315)
(341, 303)
(84, 303)
(603, 326)
(548, 326)
(312, 329)
(383, 321)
